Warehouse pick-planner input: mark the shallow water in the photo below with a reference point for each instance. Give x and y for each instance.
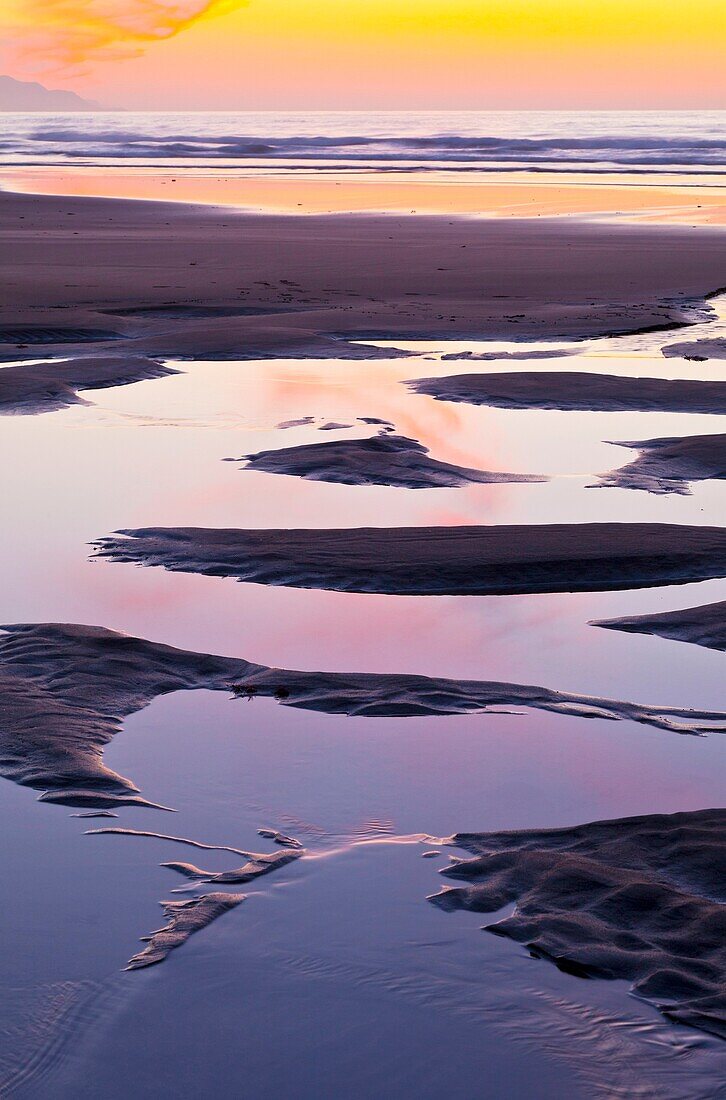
(339, 951)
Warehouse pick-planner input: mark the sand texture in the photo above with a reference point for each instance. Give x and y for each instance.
(577, 391)
(639, 899)
(704, 626)
(183, 919)
(67, 688)
(470, 560)
(669, 465)
(380, 460)
(178, 281)
(46, 387)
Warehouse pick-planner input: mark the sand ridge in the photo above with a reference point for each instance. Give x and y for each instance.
(183, 919)
(576, 391)
(470, 560)
(46, 387)
(669, 465)
(67, 688)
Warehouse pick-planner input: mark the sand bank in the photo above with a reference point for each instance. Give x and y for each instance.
(704, 626)
(577, 391)
(380, 460)
(67, 688)
(168, 280)
(45, 387)
(669, 465)
(639, 899)
(436, 561)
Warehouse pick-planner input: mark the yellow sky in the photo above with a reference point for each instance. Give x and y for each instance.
(416, 53)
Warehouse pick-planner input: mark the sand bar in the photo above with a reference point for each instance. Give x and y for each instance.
(436, 561)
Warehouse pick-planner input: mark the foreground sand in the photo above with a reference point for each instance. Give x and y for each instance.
(104, 276)
(639, 899)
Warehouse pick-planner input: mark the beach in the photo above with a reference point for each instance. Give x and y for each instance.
(314, 520)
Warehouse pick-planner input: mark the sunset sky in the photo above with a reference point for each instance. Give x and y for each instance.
(372, 53)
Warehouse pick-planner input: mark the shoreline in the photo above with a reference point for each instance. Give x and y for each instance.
(108, 276)
(622, 197)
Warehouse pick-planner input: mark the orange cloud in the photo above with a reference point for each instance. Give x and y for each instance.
(67, 36)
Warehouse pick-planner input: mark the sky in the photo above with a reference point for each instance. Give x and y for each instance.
(300, 54)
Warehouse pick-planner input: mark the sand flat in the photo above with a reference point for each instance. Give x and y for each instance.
(84, 262)
(705, 626)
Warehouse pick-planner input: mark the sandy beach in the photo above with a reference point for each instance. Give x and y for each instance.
(561, 773)
(107, 276)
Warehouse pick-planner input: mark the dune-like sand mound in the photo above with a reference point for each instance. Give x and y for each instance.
(698, 350)
(46, 387)
(183, 919)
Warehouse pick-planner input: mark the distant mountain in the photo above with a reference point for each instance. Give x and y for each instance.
(22, 95)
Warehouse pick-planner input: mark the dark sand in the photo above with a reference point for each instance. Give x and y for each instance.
(576, 391)
(669, 465)
(45, 387)
(381, 460)
(183, 919)
(492, 356)
(698, 350)
(704, 626)
(173, 280)
(588, 557)
(67, 688)
(640, 899)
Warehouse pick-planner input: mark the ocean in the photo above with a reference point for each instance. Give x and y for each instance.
(632, 142)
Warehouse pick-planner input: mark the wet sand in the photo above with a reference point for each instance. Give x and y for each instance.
(46, 387)
(61, 677)
(383, 459)
(670, 465)
(436, 561)
(640, 899)
(68, 690)
(704, 626)
(572, 392)
(172, 280)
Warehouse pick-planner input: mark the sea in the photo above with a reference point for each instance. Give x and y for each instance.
(634, 142)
